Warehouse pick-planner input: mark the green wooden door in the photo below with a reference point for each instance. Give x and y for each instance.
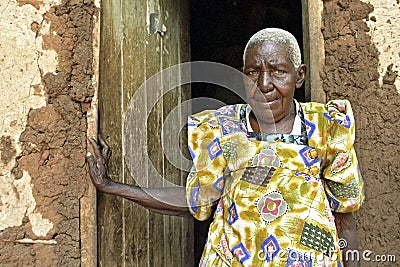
(139, 38)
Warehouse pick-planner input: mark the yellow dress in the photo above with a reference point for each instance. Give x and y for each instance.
(274, 194)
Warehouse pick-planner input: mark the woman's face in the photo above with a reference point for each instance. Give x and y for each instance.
(272, 81)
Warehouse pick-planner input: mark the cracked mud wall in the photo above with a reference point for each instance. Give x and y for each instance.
(47, 86)
(361, 64)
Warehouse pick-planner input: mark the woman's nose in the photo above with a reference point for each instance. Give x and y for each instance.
(264, 82)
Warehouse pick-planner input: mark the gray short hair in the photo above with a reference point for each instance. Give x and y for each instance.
(278, 37)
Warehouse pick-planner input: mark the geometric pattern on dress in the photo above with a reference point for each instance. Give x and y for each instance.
(267, 157)
(270, 247)
(214, 149)
(318, 239)
(241, 253)
(297, 259)
(347, 190)
(233, 214)
(191, 121)
(213, 123)
(224, 248)
(305, 155)
(326, 115)
(346, 122)
(271, 206)
(310, 128)
(328, 212)
(220, 206)
(229, 111)
(307, 177)
(333, 203)
(229, 126)
(229, 149)
(340, 117)
(194, 197)
(342, 161)
(219, 184)
(258, 175)
(336, 106)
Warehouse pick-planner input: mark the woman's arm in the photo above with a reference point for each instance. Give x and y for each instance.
(346, 227)
(168, 200)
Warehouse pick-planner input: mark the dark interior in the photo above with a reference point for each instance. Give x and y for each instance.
(219, 31)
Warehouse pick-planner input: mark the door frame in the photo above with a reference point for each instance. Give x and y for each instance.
(314, 53)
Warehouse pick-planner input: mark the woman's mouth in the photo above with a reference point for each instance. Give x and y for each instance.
(268, 102)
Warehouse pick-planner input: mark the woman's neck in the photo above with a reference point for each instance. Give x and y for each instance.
(283, 126)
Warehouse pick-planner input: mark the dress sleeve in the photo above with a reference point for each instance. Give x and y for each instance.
(343, 182)
(205, 181)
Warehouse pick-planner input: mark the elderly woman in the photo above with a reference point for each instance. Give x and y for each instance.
(274, 170)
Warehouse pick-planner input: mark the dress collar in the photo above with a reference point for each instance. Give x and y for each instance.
(296, 124)
(298, 134)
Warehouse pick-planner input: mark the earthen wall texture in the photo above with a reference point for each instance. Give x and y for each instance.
(46, 57)
(361, 63)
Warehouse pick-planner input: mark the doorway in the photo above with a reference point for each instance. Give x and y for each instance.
(130, 53)
(219, 31)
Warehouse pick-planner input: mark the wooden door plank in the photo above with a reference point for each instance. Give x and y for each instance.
(184, 56)
(136, 232)
(154, 124)
(172, 99)
(109, 211)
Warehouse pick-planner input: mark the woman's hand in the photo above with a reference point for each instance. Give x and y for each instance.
(98, 167)
(165, 200)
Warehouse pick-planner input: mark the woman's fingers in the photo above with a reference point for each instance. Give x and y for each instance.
(96, 149)
(105, 149)
(92, 163)
(98, 163)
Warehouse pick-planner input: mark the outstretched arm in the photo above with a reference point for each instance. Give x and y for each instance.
(166, 200)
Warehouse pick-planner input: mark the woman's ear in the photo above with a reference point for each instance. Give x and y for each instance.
(301, 75)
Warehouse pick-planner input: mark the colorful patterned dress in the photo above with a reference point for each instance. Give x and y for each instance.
(275, 193)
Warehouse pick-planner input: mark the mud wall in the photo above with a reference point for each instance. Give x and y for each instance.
(361, 64)
(47, 85)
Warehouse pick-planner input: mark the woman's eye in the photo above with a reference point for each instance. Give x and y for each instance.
(252, 72)
(279, 72)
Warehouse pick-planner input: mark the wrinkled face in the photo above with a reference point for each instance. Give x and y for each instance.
(272, 81)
